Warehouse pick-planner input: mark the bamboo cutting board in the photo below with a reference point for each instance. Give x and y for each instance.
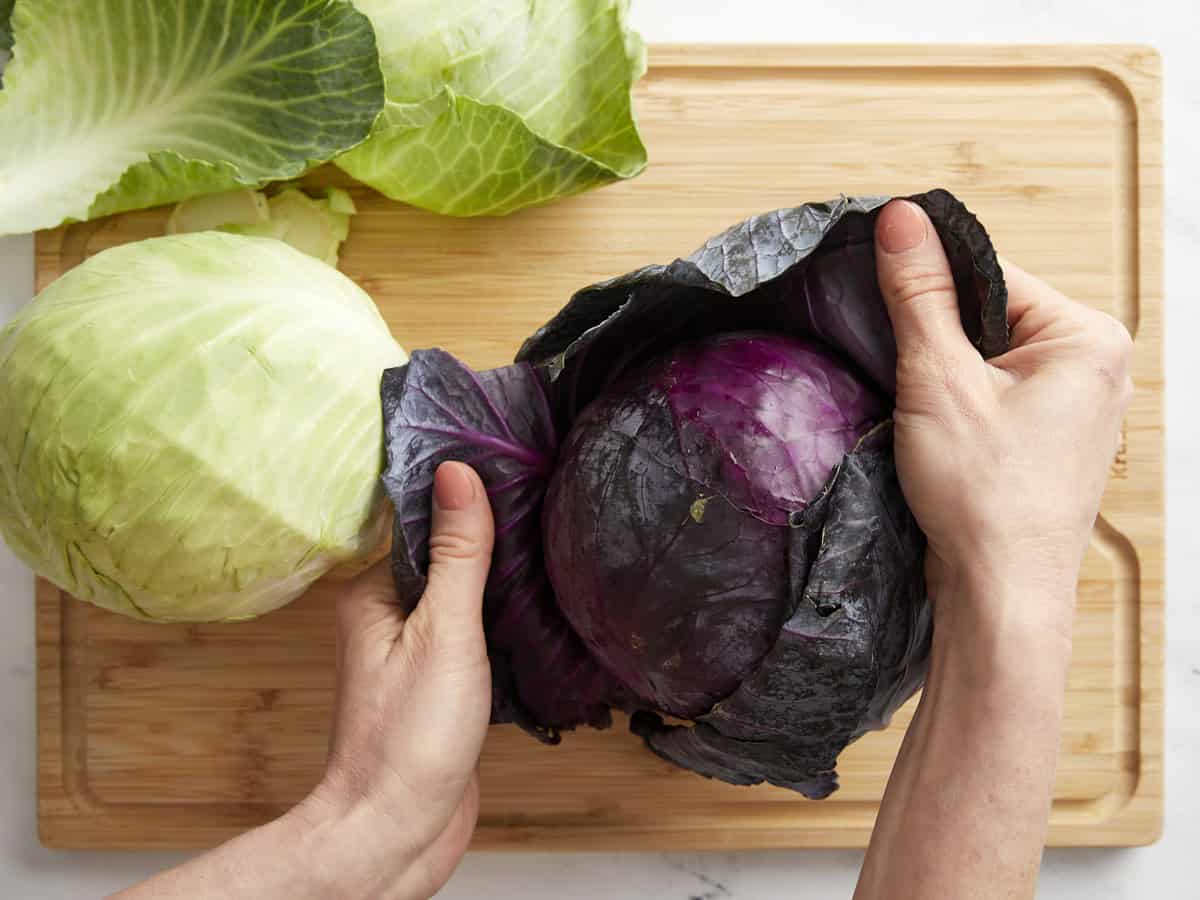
(180, 736)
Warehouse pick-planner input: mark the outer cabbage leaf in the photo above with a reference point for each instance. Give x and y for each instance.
(112, 105)
(498, 421)
(190, 427)
(811, 271)
(496, 105)
(853, 648)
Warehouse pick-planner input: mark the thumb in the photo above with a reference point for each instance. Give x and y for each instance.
(917, 284)
(460, 550)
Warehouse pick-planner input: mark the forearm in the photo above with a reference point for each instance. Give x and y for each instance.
(966, 808)
(306, 854)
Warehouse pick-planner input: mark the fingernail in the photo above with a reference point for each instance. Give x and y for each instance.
(902, 226)
(453, 486)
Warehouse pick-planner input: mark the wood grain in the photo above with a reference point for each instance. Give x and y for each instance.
(179, 736)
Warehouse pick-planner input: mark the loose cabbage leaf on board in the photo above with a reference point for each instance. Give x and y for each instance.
(113, 105)
(845, 641)
(314, 225)
(496, 105)
(190, 427)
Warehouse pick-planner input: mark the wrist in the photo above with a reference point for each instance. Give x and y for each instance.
(351, 848)
(1018, 597)
(1002, 631)
(981, 678)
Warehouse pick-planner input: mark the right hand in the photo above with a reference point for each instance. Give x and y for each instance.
(1002, 461)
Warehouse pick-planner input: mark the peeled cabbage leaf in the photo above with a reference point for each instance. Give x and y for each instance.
(497, 422)
(811, 271)
(723, 527)
(113, 105)
(314, 225)
(497, 105)
(241, 208)
(190, 427)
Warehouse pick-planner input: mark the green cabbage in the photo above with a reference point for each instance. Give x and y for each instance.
(496, 105)
(112, 105)
(190, 427)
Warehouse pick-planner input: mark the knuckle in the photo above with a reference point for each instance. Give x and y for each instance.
(921, 361)
(455, 544)
(915, 281)
(443, 648)
(1125, 393)
(1113, 343)
(1101, 355)
(936, 387)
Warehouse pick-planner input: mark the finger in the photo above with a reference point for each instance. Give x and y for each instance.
(1027, 293)
(1037, 314)
(460, 551)
(917, 284)
(366, 607)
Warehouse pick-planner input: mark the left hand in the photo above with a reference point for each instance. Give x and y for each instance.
(414, 697)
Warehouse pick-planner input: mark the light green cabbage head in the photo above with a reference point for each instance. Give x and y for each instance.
(113, 105)
(190, 427)
(495, 105)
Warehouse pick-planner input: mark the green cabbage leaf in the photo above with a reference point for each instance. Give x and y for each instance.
(6, 8)
(495, 105)
(113, 105)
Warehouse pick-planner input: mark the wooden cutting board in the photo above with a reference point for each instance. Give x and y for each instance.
(180, 736)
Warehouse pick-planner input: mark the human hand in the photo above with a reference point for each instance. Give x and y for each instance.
(414, 697)
(1003, 461)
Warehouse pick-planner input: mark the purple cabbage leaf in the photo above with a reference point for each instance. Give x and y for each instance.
(498, 422)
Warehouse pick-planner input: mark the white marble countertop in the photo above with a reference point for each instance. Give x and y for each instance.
(1166, 869)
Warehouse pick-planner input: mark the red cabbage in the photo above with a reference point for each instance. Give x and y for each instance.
(697, 506)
